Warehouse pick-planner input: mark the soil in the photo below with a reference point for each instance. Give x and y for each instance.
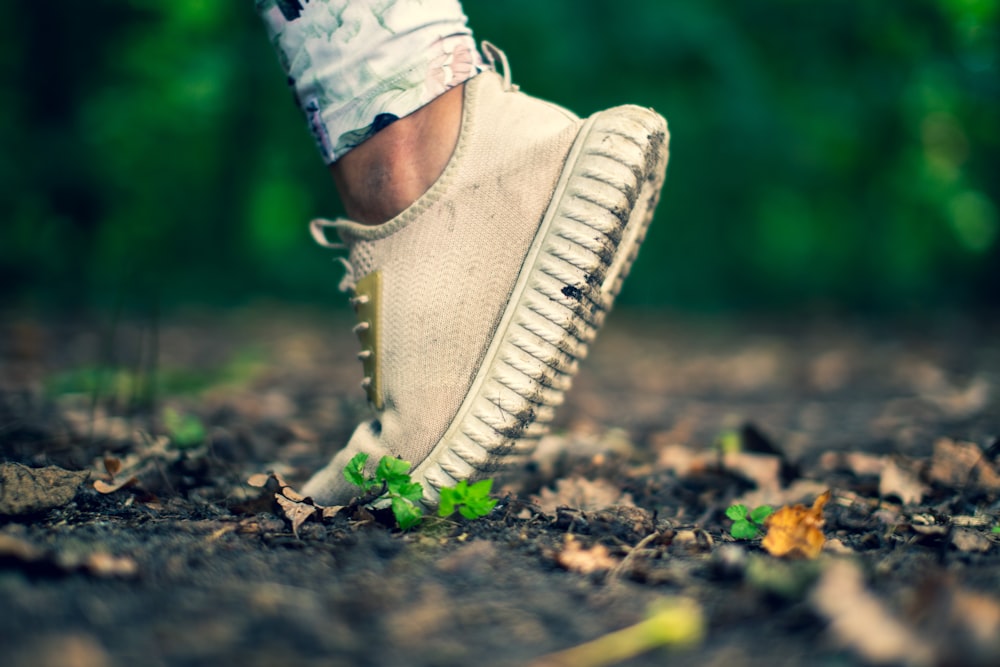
(670, 422)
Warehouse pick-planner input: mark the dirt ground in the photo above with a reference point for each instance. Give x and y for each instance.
(619, 519)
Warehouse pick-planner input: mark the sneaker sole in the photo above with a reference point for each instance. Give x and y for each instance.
(583, 250)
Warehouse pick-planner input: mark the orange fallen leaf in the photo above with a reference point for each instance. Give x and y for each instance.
(796, 531)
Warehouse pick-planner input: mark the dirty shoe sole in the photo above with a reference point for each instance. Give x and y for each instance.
(574, 269)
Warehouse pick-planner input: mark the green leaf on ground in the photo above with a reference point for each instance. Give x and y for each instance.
(737, 512)
(392, 475)
(472, 502)
(407, 514)
(744, 530)
(185, 431)
(392, 471)
(747, 524)
(354, 471)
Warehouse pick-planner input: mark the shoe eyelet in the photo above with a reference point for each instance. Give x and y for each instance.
(366, 306)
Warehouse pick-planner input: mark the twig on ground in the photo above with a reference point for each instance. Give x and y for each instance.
(620, 569)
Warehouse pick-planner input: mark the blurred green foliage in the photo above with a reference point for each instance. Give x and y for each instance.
(128, 387)
(833, 153)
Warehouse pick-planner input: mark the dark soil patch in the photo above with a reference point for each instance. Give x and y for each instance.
(191, 566)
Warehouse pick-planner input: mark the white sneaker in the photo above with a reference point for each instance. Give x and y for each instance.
(477, 302)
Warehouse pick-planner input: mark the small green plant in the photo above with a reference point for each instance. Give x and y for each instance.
(391, 481)
(471, 502)
(748, 524)
(185, 431)
(729, 442)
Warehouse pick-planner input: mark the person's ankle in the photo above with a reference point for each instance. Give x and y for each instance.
(387, 173)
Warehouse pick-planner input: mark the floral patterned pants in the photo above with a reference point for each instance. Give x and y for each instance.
(356, 66)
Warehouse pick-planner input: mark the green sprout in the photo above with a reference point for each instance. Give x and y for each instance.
(392, 482)
(748, 524)
(185, 431)
(729, 442)
(471, 502)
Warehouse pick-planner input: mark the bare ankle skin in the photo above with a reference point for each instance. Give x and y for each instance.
(384, 175)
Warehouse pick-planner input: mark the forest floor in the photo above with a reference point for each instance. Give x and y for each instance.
(619, 521)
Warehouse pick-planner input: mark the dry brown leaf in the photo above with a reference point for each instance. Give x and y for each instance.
(978, 615)
(99, 563)
(861, 464)
(17, 549)
(112, 465)
(110, 487)
(764, 470)
(966, 539)
(958, 464)
(296, 511)
(963, 626)
(798, 491)
(258, 480)
(332, 511)
(575, 558)
(684, 461)
(900, 482)
(581, 493)
(292, 494)
(146, 461)
(580, 443)
(796, 531)
(103, 564)
(859, 620)
(24, 490)
(961, 403)
(296, 507)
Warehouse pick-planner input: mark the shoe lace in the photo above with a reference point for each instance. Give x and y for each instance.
(318, 229)
(349, 283)
(492, 53)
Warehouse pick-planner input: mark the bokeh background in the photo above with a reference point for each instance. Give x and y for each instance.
(832, 155)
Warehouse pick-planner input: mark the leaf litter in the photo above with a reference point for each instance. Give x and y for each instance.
(604, 521)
